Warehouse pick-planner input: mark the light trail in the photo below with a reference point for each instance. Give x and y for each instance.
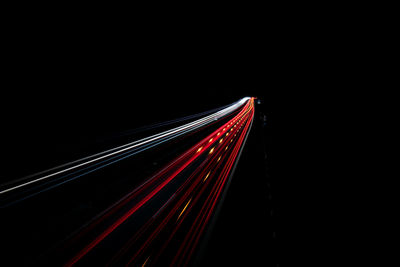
(183, 210)
(119, 151)
(163, 219)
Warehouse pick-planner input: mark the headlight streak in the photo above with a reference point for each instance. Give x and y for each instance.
(174, 218)
(229, 166)
(141, 203)
(106, 154)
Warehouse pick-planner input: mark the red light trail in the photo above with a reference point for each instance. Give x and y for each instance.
(201, 190)
(171, 210)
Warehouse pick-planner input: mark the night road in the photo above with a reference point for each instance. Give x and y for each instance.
(157, 141)
(188, 191)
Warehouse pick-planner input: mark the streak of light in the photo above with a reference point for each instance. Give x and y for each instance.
(105, 154)
(184, 209)
(144, 263)
(208, 174)
(192, 187)
(188, 245)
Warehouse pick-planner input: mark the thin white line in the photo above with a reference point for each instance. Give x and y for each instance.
(194, 125)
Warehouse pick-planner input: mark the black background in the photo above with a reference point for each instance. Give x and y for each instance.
(65, 89)
(67, 79)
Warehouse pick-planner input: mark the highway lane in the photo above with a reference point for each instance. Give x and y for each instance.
(179, 199)
(127, 149)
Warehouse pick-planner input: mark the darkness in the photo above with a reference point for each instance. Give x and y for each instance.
(70, 86)
(66, 98)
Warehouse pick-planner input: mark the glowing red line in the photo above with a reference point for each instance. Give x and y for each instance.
(127, 214)
(213, 204)
(170, 214)
(130, 196)
(198, 220)
(105, 214)
(183, 198)
(204, 144)
(194, 201)
(188, 191)
(207, 209)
